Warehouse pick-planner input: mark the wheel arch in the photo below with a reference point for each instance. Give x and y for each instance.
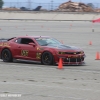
(49, 52)
(4, 49)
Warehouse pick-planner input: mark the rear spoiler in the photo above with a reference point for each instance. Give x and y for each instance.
(4, 40)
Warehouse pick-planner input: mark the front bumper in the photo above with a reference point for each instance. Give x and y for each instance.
(72, 60)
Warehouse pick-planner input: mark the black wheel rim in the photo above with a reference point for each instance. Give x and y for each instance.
(46, 58)
(5, 55)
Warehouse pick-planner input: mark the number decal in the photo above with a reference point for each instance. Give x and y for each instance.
(38, 55)
(24, 52)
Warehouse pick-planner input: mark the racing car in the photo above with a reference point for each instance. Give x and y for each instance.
(43, 49)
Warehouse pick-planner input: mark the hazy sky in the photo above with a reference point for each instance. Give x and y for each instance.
(55, 1)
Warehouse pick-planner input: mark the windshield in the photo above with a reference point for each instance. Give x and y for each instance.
(47, 41)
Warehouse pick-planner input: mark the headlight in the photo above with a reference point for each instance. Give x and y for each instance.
(82, 52)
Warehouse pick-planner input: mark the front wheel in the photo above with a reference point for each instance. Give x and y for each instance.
(6, 55)
(47, 58)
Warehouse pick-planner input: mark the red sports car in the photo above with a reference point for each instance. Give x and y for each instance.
(42, 49)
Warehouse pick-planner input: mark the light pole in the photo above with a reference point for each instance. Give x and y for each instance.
(51, 5)
(18, 3)
(29, 4)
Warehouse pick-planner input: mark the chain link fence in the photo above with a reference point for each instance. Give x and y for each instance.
(33, 5)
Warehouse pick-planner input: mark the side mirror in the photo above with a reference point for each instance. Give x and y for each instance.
(31, 43)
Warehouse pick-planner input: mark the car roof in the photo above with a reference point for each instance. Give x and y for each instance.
(33, 36)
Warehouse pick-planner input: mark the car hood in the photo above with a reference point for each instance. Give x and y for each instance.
(63, 47)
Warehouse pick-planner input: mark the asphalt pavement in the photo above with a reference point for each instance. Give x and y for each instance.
(29, 81)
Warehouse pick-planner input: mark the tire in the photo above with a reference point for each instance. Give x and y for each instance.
(47, 58)
(6, 55)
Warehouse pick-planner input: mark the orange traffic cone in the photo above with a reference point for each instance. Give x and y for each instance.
(60, 64)
(97, 56)
(90, 43)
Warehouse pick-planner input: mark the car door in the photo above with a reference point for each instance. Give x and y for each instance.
(24, 50)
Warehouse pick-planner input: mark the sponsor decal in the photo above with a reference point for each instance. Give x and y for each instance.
(39, 48)
(1, 44)
(4, 45)
(24, 53)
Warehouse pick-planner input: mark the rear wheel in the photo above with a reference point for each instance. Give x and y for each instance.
(7, 56)
(47, 58)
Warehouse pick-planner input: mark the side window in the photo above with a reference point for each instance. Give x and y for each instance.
(24, 40)
(18, 40)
